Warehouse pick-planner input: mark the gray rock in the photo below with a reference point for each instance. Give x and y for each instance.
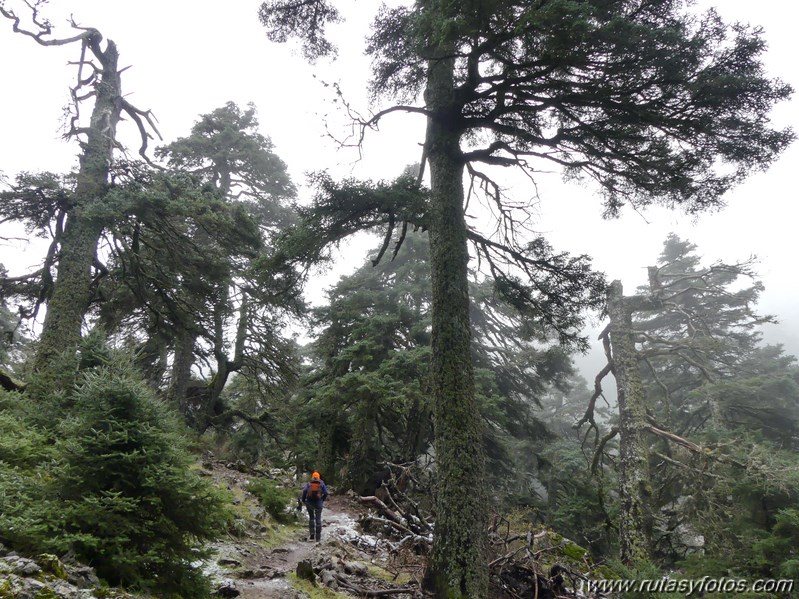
(82, 576)
(26, 567)
(227, 589)
(36, 585)
(27, 588)
(327, 578)
(228, 561)
(65, 590)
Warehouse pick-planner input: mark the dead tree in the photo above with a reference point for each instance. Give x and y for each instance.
(635, 488)
(684, 314)
(98, 78)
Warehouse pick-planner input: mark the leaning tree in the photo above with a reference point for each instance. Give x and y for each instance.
(652, 102)
(83, 219)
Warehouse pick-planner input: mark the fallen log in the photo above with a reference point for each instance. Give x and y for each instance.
(362, 592)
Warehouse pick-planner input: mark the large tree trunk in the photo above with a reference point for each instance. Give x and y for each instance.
(61, 331)
(635, 521)
(457, 565)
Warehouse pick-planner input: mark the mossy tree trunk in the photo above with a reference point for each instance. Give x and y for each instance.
(325, 451)
(61, 331)
(457, 565)
(635, 490)
(416, 428)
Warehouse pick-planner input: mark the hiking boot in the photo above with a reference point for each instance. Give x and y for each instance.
(311, 538)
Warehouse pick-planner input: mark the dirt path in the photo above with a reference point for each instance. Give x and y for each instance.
(256, 561)
(270, 567)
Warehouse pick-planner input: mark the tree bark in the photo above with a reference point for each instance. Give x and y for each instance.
(181, 370)
(635, 521)
(458, 564)
(61, 331)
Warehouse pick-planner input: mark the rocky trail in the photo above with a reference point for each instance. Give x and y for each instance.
(259, 572)
(263, 563)
(259, 559)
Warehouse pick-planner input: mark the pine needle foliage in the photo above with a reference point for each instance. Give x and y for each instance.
(112, 484)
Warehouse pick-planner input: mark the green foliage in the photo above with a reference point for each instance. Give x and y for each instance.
(303, 19)
(750, 516)
(274, 498)
(194, 267)
(366, 397)
(576, 500)
(711, 381)
(22, 444)
(129, 497)
(226, 150)
(111, 482)
(341, 209)
(38, 201)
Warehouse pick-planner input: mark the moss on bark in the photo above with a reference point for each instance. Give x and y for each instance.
(457, 565)
(635, 490)
(61, 331)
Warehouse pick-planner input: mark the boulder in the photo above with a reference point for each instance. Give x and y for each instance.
(328, 579)
(82, 577)
(227, 589)
(24, 566)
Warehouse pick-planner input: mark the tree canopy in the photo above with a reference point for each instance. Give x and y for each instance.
(176, 325)
(650, 101)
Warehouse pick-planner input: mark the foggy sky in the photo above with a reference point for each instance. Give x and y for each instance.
(191, 57)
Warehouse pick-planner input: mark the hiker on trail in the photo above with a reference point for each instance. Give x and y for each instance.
(314, 495)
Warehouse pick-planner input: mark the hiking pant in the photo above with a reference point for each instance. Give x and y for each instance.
(314, 519)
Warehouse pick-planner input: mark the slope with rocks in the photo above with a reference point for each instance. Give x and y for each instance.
(258, 559)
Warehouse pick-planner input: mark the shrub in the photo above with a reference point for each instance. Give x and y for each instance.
(26, 453)
(274, 498)
(131, 505)
(115, 487)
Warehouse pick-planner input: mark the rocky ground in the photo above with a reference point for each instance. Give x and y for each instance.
(262, 560)
(278, 561)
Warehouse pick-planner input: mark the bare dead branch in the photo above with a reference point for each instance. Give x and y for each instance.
(45, 30)
(601, 447)
(140, 117)
(589, 412)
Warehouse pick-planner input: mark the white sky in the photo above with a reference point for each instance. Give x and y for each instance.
(190, 57)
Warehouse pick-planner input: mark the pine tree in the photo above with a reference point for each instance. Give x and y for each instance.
(644, 99)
